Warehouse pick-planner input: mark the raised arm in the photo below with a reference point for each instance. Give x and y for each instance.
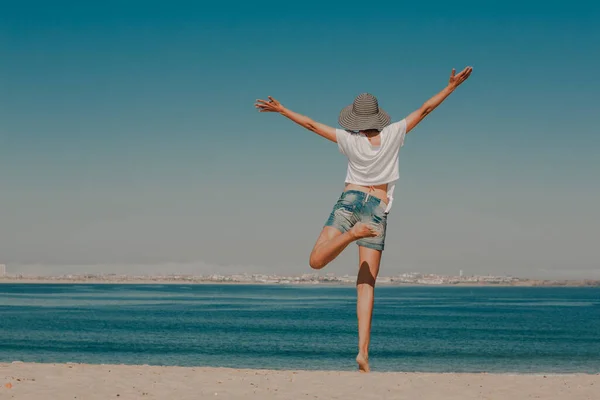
(274, 106)
(455, 80)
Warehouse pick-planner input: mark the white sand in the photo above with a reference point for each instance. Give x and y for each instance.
(82, 381)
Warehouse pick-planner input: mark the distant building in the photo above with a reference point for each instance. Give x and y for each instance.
(460, 273)
(2, 270)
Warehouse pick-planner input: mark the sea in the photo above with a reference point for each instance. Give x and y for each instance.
(424, 329)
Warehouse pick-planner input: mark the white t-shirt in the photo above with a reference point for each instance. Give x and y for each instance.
(370, 165)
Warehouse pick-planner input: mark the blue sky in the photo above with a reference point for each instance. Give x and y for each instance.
(129, 141)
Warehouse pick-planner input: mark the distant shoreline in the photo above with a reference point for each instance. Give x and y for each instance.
(528, 283)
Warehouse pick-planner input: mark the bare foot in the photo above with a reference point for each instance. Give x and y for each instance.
(363, 363)
(362, 230)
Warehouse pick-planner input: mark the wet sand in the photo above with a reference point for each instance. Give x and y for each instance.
(83, 381)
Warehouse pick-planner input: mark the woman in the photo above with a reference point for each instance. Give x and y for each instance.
(372, 145)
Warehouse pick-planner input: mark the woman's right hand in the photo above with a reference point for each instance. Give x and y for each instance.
(456, 80)
(269, 106)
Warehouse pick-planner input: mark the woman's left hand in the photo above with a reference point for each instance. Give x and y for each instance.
(268, 106)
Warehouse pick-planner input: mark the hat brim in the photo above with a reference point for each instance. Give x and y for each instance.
(356, 122)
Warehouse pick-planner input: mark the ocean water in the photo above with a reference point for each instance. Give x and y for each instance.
(441, 329)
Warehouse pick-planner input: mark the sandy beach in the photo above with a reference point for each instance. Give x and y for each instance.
(82, 381)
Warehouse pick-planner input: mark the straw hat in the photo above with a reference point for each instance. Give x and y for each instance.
(363, 114)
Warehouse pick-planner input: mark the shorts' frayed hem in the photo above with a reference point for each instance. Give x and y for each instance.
(370, 246)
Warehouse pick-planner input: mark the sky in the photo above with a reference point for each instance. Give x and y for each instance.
(129, 142)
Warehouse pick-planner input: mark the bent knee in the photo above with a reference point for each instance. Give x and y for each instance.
(315, 262)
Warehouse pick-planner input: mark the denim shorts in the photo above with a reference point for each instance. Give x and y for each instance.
(355, 206)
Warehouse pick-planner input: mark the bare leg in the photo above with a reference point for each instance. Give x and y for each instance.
(332, 242)
(365, 287)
